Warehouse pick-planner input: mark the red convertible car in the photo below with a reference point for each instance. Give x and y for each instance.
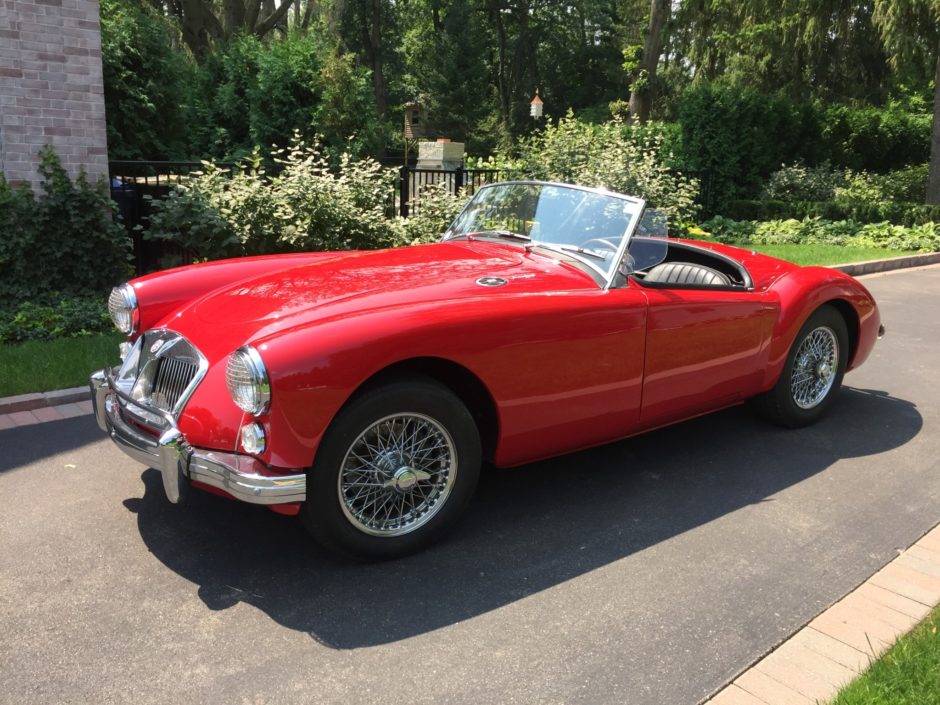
(363, 390)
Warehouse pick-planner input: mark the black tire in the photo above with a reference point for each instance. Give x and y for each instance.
(342, 522)
(784, 404)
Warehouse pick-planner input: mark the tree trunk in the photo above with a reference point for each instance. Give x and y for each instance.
(374, 46)
(501, 87)
(233, 16)
(274, 18)
(199, 26)
(933, 181)
(641, 98)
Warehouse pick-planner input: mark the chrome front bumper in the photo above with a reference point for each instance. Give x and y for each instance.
(179, 463)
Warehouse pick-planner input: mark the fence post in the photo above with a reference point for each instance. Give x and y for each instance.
(458, 180)
(403, 184)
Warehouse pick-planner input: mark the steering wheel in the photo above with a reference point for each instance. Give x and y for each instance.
(602, 241)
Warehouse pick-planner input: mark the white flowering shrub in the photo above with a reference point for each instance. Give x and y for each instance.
(612, 155)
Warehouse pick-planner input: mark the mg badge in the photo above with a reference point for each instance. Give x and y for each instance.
(156, 346)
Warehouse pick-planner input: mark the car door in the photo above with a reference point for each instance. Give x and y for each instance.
(704, 349)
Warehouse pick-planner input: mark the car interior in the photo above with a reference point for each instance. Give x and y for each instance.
(684, 266)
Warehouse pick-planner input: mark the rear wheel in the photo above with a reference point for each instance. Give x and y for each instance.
(813, 371)
(394, 471)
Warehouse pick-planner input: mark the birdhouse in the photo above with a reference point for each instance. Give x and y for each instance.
(415, 121)
(536, 106)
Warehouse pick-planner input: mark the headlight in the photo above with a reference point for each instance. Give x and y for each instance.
(122, 305)
(247, 381)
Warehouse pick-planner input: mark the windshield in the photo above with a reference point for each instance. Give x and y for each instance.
(588, 224)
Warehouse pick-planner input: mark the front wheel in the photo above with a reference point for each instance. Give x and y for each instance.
(394, 471)
(812, 373)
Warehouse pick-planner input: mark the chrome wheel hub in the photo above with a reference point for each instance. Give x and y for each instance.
(813, 374)
(397, 474)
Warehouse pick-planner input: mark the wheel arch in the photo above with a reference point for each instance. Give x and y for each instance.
(468, 387)
(852, 324)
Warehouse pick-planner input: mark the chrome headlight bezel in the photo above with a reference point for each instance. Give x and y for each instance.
(247, 381)
(124, 309)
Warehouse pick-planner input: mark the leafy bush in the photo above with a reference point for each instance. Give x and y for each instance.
(255, 93)
(63, 242)
(738, 137)
(437, 209)
(614, 155)
(905, 185)
(146, 83)
(799, 182)
(67, 318)
(907, 214)
(873, 139)
(925, 237)
(312, 203)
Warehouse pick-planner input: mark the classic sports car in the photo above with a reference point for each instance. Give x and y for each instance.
(363, 390)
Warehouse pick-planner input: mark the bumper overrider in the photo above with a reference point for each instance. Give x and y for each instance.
(243, 477)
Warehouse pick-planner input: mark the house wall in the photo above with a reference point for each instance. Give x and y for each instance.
(51, 88)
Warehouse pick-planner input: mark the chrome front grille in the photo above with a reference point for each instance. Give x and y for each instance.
(172, 378)
(161, 372)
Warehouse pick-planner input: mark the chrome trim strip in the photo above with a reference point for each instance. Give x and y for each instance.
(179, 463)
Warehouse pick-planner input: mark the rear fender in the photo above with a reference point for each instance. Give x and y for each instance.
(804, 290)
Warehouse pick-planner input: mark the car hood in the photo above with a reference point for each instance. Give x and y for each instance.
(351, 283)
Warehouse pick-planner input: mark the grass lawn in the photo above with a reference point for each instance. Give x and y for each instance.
(824, 254)
(907, 674)
(40, 366)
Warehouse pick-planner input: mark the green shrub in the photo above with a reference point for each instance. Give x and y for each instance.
(65, 241)
(146, 83)
(614, 155)
(904, 185)
(437, 209)
(64, 318)
(256, 93)
(738, 137)
(860, 211)
(312, 203)
(799, 182)
(871, 138)
(735, 138)
(924, 237)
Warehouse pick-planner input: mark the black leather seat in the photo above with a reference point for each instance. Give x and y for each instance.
(686, 273)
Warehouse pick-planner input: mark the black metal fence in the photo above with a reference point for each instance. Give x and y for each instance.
(136, 184)
(413, 182)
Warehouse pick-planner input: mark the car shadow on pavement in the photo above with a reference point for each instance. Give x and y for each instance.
(528, 529)
(24, 445)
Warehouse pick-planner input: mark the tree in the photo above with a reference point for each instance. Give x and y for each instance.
(204, 23)
(911, 33)
(145, 83)
(805, 48)
(644, 80)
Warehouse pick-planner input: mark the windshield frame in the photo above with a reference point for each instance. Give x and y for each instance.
(616, 260)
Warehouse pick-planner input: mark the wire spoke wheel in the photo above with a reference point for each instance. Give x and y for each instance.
(815, 367)
(397, 474)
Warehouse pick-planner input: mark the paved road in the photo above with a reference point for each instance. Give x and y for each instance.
(648, 571)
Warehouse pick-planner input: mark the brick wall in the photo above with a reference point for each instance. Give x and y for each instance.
(51, 89)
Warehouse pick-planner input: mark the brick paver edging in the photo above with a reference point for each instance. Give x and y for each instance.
(39, 400)
(886, 265)
(839, 644)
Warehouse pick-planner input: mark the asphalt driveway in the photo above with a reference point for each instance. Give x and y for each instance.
(647, 571)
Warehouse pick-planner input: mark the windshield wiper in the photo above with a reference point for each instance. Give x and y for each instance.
(573, 248)
(505, 234)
